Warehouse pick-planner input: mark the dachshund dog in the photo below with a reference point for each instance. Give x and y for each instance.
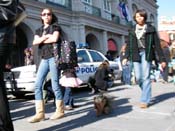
(102, 104)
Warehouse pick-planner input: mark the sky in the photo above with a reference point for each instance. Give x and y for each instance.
(166, 8)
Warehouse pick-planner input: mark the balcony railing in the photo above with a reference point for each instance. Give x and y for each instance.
(115, 18)
(130, 23)
(92, 10)
(65, 4)
(107, 15)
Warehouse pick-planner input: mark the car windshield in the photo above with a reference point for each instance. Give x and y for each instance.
(96, 57)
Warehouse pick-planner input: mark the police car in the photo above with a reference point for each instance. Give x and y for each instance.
(23, 78)
(89, 60)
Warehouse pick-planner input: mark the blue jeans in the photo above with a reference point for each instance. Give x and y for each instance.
(68, 99)
(142, 73)
(45, 66)
(126, 74)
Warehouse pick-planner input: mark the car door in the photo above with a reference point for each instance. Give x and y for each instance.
(86, 67)
(98, 58)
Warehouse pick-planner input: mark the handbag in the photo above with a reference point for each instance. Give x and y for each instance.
(69, 79)
(65, 54)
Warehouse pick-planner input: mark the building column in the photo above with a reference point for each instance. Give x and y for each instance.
(78, 34)
(104, 46)
(123, 39)
(82, 34)
(74, 34)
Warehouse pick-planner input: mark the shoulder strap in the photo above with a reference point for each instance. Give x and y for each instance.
(5, 2)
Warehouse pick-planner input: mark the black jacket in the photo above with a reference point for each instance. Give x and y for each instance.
(101, 78)
(152, 45)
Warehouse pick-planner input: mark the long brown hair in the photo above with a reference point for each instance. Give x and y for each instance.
(54, 18)
(104, 64)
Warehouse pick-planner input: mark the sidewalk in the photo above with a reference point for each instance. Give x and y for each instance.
(126, 115)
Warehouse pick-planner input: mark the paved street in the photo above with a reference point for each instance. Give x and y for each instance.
(126, 115)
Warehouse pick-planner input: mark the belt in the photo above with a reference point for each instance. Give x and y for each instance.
(141, 49)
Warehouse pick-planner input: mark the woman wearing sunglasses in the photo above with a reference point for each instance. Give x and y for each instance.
(48, 34)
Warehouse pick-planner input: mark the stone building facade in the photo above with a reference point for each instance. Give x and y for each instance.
(100, 24)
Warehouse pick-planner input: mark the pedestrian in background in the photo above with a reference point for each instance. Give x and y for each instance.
(67, 90)
(126, 69)
(7, 40)
(142, 44)
(47, 35)
(166, 52)
(28, 56)
(109, 56)
(172, 56)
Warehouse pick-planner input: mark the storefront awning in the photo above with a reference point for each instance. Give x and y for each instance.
(112, 46)
(164, 36)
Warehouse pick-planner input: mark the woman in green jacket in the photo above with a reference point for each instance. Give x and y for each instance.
(142, 45)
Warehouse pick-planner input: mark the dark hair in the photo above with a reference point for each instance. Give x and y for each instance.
(106, 61)
(142, 13)
(104, 64)
(54, 18)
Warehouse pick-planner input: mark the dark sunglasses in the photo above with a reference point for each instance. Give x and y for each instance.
(44, 14)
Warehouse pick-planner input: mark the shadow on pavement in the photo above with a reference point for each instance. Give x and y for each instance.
(119, 108)
(23, 108)
(17, 113)
(162, 97)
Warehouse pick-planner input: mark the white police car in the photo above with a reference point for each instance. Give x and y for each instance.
(88, 62)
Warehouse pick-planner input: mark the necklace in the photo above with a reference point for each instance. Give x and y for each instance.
(140, 30)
